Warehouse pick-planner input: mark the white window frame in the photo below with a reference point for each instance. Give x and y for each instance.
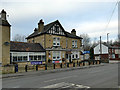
(66, 43)
(56, 54)
(74, 43)
(27, 54)
(74, 54)
(113, 56)
(118, 55)
(56, 41)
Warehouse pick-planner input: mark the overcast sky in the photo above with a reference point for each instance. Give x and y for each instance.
(86, 16)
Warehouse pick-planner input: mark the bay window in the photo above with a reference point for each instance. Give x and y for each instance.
(56, 55)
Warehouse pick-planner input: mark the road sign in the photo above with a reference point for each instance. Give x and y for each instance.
(86, 52)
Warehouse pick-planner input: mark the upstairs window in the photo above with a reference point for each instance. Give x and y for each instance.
(56, 41)
(74, 43)
(66, 43)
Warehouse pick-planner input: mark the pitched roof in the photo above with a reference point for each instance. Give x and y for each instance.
(47, 27)
(109, 46)
(26, 47)
(4, 22)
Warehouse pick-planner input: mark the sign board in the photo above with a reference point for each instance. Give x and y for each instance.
(56, 61)
(86, 52)
(36, 62)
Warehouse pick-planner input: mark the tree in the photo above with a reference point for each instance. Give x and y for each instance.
(92, 53)
(86, 41)
(19, 38)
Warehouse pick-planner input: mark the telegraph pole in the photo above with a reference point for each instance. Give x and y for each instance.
(107, 38)
(100, 48)
(108, 44)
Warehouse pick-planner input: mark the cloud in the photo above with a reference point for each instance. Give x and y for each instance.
(57, 0)
(20, 9)
(78, 14)
(97, 29)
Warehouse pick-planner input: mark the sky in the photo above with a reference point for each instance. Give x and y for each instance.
(86, 16)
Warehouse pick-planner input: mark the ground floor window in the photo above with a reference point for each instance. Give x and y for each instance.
(113, 56)
(56, 55)
(118, 55)
(75, 55)
(26, 56)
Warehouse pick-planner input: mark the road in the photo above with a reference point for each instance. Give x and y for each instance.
(97, 77)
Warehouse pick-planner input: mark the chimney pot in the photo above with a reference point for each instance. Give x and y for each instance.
(73, 31)
(41, 26)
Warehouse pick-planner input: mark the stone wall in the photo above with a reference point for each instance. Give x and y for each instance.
(5, 49)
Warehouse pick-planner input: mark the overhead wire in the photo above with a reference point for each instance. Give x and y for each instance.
(113, 11)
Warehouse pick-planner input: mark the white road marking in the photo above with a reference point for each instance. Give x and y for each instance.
(60, 78)
(65, 85)
(16, 87)
(55, 85)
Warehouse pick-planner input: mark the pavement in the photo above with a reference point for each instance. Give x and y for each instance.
(48, 71)
(95, 76)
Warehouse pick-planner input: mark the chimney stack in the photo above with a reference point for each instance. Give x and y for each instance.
(73, 32)
(40, 26)
(3, 15)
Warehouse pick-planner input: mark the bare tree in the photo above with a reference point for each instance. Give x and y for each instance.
(86, 41)
(19, 38)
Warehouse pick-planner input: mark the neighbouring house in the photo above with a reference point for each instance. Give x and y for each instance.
(47, 43)
(108, 52)
(114, 52)
(59, 44)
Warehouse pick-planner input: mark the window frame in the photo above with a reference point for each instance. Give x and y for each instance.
(56, 41)
(55, 55)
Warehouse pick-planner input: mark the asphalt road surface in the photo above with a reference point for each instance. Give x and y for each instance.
(97, 77)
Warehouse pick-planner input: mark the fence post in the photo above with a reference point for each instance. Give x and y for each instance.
(96, 61)
(99, 61)
(74, 64)
(83, 63)
(26, 67)
(67, 64)
(61, 65)
(45, 66)
(54, 65)
(93, 62)
(89, 62)
(36, 67)
(16, 68)
(79, 63)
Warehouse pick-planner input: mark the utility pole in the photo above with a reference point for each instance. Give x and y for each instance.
(107, 38)
(108, 44)
(100, 48)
